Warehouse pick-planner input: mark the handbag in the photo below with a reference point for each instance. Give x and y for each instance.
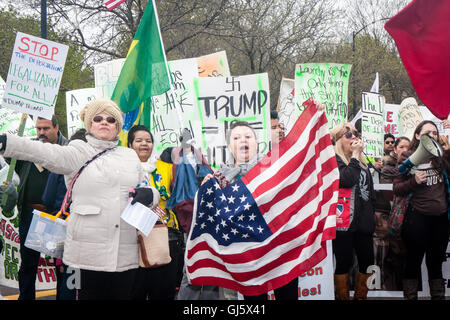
(397, 215)
(154, 250)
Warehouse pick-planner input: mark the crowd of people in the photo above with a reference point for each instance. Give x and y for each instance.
(96, 176)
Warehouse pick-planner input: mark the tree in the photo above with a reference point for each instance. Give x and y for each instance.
(75, 76)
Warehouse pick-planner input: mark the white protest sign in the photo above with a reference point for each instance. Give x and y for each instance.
(34, 75)
(372, 123)
(326, 83)
(392, 120)
(105, 77)
(164, 119)
(213, 65)
(76, 100)
(287, 108)
(10, 119)
(221, 100)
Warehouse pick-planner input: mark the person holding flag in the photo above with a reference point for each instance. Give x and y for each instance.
(227, 213)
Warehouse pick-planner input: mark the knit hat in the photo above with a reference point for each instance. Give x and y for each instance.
(98, 106)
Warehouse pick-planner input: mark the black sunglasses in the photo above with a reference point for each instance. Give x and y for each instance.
(350, 134)
(110, 120)
(389, 142)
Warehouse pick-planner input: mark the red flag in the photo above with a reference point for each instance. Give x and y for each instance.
(267, 228)
(421, 32)
(112, 4)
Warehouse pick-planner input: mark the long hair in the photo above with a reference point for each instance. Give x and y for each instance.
(336, 134)
(414, 141)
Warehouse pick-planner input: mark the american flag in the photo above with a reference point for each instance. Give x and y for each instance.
(112, 4)
(267, 228)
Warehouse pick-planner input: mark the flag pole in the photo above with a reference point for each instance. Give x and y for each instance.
(171, 91)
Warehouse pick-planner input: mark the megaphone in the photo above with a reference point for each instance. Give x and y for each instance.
(427, 149)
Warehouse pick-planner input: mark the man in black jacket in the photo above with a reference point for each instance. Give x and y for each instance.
(33, 179)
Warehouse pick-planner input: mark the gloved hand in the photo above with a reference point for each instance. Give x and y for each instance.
(11, 192)
(2, 142)
(142, 195)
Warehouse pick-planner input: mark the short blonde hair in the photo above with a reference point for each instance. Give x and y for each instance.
(336, 134)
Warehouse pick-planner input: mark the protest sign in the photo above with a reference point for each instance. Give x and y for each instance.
(164, 118)
(10, 256)
(76, 100)
(10, 119)
(34, 75)
(287, 107)
(372, 123)
(326, 83)
(105, 77)
(409, 116)
(213, 65)
(392, 120)
(221, 100)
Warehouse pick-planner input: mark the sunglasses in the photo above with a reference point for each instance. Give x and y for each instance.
(389, 142)
(350, 134)
(98, 119)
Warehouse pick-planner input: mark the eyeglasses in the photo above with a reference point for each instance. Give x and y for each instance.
(98, 119)
(389, 142)
(350, 134)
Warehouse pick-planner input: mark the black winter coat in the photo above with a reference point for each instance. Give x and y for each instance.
(353, 176)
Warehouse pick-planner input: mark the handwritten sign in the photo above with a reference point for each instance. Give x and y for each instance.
(287, 107)
(372, 123)
(10, 119)
(409, 117)
(76, 100)
(106, 75)
(213, 65)
(224, 99)
(326, 83)
(34, 75)
(164, 119)
(392, 120)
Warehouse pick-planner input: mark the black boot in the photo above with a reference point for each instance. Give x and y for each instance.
(437, 289)
(410, 287)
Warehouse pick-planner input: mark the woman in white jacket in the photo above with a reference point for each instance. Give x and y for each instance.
(98, 242)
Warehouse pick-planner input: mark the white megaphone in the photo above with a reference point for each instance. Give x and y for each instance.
(428, 148)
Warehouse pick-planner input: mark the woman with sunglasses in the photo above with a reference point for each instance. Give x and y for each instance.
(98, 241)
(157, 283)
(425, 226)
(358, 234)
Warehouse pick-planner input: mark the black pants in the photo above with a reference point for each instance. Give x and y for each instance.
(348, 242)
(424, 234)
(287, 292)
(100, 285)
(159, 283)
(29, 259)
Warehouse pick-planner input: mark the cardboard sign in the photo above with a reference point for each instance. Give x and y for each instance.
(221, 100)
(76, 100)
(326, 83)
(34, 75)
(372, 123)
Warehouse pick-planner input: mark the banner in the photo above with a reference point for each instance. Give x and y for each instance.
(326, 83)
(165, 126)
(372, 124)
(10, 256)
(34, 75)
(286, 107)
(221, 100)
(76, 100)
(106, 75)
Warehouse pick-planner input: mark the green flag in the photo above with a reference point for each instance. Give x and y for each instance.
(144, 73)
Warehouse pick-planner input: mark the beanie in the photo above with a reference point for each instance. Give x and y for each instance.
(98, 106)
